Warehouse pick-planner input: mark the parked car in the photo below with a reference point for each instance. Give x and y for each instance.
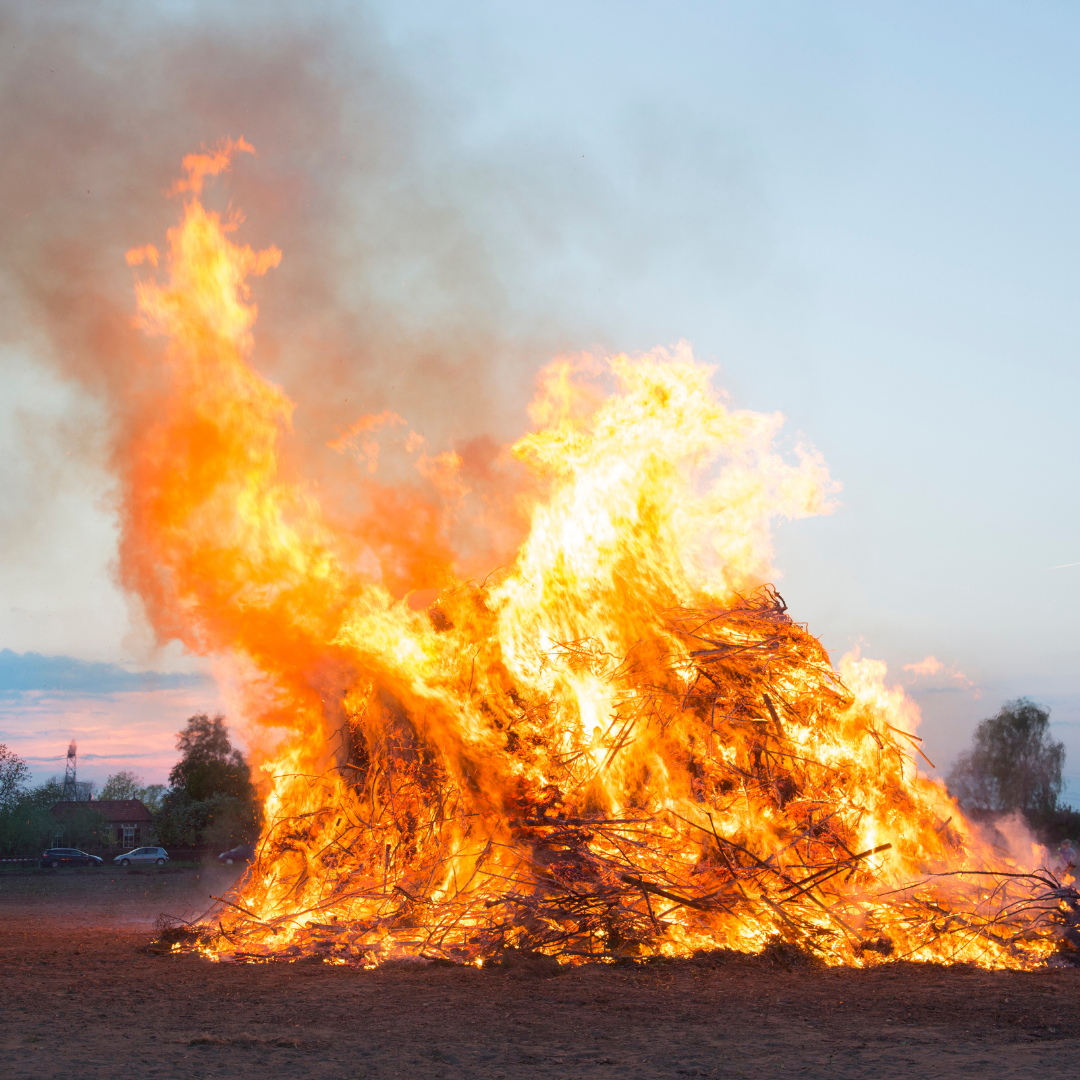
(143, 855)
(68, 856)
(242, 853)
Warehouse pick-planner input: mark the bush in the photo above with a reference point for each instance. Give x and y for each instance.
(25, 830)
(1063, 823)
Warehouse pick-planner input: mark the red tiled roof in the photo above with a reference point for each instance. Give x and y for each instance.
(112, 810)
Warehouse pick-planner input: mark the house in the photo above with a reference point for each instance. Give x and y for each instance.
(129, 821)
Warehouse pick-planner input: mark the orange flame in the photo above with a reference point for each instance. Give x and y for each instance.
(618, 743)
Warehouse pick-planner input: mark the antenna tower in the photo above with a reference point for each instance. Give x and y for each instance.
(70, 784)
(74, 790)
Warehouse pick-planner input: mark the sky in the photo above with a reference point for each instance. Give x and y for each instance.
(863, 214)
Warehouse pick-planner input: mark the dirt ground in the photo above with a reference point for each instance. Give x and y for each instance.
(81, 996)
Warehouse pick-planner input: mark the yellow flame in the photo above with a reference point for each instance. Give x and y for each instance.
(426, 759)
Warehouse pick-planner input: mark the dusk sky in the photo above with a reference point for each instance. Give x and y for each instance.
(863, 214)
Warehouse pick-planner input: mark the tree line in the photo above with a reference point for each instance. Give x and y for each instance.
(209, 800)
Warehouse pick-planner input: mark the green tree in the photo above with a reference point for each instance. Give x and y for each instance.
(1012, 765)
(222, 821)
(14, 775)
(153, 797)
(209, 765)
(121, 785)
(212, 799)
(45, 794)
(28, 826)
(126, 785)
(26, 830)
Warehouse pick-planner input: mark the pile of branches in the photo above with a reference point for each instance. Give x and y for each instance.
(778, 770)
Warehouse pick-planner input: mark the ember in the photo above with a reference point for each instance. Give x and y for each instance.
(619, 746)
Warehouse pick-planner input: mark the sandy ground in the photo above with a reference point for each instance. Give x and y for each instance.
(81, 996)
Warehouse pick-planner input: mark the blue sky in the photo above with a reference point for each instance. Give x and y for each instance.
(22, 672)
(864, 214)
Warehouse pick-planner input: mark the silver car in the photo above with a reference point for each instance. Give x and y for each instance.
(143, 855)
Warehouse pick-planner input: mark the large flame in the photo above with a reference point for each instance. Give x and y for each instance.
(619, 745)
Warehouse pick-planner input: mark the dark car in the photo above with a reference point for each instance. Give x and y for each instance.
(242, 853)
(68, 856)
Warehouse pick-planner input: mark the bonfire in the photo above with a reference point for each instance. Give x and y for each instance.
(617, 746)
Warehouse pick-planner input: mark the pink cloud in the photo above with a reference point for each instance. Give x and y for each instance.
(133, 729)
(931, 665)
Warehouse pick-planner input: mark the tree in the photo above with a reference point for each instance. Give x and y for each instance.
(126, 785)
(45, 794)
(14, 774)
(26, 829)
(208, 764)
(1012, 764)
(212, 799)
(121, 785)
(27, 825)
(153, 797)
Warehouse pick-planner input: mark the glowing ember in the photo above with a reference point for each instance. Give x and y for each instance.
(622, 746)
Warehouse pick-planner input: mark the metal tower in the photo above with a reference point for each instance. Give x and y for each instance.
(69, 775)
(73, 790)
